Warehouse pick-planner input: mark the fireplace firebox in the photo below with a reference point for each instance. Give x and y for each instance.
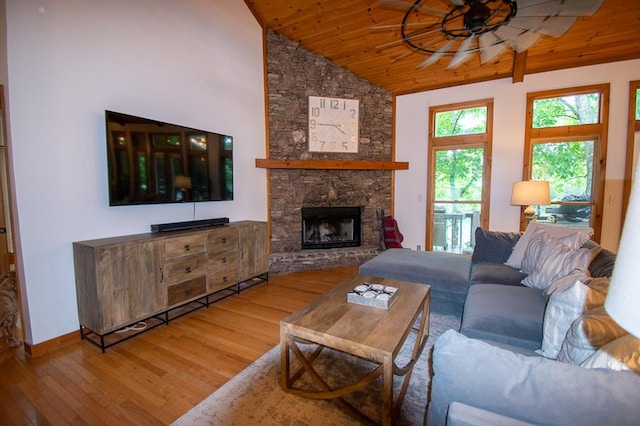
(330, 227)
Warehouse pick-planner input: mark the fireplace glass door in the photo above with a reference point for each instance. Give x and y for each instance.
(330, 227)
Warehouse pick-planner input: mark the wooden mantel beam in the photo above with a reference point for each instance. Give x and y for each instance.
(331, 164)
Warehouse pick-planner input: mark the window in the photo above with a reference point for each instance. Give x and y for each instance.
(633, 142)
(636, 83)
(459, 152)
(565, 143)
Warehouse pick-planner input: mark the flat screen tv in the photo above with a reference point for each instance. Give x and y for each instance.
(152, 162)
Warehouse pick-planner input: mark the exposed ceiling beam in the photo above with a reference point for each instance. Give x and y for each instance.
(519, 66)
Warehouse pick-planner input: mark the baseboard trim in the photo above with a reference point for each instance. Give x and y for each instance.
(51, 345)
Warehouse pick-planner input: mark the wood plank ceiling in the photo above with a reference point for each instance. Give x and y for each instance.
(341, 30)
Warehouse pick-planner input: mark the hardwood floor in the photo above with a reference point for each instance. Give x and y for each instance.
(159, 375)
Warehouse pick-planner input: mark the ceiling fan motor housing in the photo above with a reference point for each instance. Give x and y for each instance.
(475, 19)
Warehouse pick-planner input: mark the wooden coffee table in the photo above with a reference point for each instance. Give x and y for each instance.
(362, 331)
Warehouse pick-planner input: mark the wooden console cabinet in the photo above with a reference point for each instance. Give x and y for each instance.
(155, 277)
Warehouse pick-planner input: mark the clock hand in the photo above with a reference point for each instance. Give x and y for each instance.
(337, 126)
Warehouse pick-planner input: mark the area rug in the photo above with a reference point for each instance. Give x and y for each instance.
(254, 397)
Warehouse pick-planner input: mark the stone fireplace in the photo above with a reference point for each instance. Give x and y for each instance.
(294, 74)
(330, 227)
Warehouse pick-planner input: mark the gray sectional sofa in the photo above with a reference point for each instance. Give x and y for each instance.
(489, 372)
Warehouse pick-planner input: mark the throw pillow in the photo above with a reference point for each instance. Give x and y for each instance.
(515, 259)
(562, 284)
(493, 246)
(536, 244)
(563, 309)
(587, 334)
(557, 260)
(622, 354)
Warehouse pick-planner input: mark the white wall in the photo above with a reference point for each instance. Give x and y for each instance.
(197, 63)
(508, 144)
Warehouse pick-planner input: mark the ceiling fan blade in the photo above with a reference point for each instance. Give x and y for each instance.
(553, 26)
(518, 40)
(433, 58)
(411, 37)
(490, 46)
(557, 7)
(408, 25)
(526, 23)
(407, 5)
(463, 53)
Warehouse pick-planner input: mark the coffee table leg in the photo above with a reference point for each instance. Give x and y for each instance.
(284, 362)
(387, 391)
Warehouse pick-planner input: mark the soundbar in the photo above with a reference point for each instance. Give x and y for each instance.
(191, 224)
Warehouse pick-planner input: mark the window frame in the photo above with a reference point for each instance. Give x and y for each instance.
(597, 132)
(475, 140)
(632, 128)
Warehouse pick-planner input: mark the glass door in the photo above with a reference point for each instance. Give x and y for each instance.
(459, 174)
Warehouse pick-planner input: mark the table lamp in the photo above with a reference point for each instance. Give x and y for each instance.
(183, 183)
(623, 298)
(528, 193)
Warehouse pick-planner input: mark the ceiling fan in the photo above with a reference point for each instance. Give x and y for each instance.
(462, 27)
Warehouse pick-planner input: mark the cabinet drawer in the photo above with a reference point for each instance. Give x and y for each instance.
(227, 260)
(222, 278)
(183, 246)
(187, 290)
(222, 241)
(185, 268)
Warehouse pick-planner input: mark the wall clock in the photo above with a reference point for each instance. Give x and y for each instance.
(333, 124)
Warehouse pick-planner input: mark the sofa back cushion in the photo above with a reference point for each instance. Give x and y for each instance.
(602, 265)
(493, 246)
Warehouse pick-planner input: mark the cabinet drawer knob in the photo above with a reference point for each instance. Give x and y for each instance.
(187, 247)
(224, 279)
(224, 240)
(187, 269)
(224, 260)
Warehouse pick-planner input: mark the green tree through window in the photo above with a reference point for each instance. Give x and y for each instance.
(565, 139)
(461, 122)
(458, 199)
(566, 111)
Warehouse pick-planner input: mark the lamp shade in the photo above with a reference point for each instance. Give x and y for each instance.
(623, 298)
(530, 192)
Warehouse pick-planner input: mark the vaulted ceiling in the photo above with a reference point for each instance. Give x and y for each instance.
(348, 33)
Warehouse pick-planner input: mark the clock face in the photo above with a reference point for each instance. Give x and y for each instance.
(333, 124)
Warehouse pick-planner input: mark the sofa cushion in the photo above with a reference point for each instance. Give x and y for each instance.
(493, 246)
(465, 415)
(557, 260)
(587, 334)
(535, 390)
(564, 308)
(507, 314)
(537, 245)
(495, 273)
(442, 271)
(562, 284)
(602, 265)
(515, 259)
(621, 354)
(446, 273)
